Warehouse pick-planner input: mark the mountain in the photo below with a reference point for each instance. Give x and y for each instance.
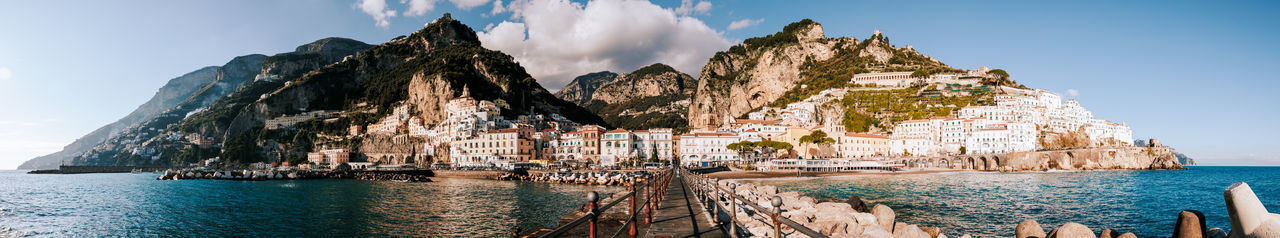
(789, 66)
(653, 96)
(419, 72)
(580, 89)
(175, 91)
(208, 111)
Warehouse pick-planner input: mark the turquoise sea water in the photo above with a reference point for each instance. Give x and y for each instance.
(96, 205)
(992, 204)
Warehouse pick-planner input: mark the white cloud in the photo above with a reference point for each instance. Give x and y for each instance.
(557, 40)
(687, 6)
(468, 4)
(1073, 92)
(744, 23)
(418, 7)
(6, 73)
(497, 8)
(378, 10)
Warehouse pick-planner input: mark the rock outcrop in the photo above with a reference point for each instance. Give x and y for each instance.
(580, 89)
(654, 96)
(734, 83)
(790, 65)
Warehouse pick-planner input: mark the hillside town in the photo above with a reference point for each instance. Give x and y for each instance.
(473, 134)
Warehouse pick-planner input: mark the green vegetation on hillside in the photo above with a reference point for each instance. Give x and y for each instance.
(652, 70)
(612, 113)
(885, 108)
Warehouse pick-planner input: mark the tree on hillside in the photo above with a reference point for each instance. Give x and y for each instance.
(921, 73)
(816, 137)
(999, 73)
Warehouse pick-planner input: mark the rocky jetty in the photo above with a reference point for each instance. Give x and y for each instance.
(397, 175)
(1249, 219)
(611, 178)
(834, 219)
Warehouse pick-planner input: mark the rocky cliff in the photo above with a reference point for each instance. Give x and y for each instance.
(654, 96)
(171, 94)
(209, 109)
(422, 70)
(791, 65)
(582, 87)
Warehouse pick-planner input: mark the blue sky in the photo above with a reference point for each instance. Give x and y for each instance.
(1198, 75)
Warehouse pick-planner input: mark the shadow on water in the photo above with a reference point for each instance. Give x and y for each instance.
(991, 204)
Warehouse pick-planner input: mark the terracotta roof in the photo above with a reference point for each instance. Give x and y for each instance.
(751, 130)
(617, 130)
(548, 130)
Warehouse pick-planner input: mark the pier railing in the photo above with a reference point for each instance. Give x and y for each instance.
(711, 194)
(652, 187)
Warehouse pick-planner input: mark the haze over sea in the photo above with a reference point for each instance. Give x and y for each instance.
(976, 203)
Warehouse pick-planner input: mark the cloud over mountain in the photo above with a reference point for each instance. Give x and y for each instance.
(559, 39)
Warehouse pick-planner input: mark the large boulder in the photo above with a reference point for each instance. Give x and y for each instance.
(1190, 225)
(934, 232)
(884, 216)
(857, 204)
(1108, 233)
(1248, 217)
(876, 232)
(1029, 228)
(910, 231)
(1072, 230)
(1216, 233)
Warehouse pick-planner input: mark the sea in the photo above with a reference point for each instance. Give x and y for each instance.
(137, 205)
(980, 204)
(991, 204)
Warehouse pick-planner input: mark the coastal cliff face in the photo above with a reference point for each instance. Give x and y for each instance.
(582, 87)
(733, 84)
(792, 65)
(167, 97)
(208, 110)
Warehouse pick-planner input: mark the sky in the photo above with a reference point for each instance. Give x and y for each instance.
(1198, 75)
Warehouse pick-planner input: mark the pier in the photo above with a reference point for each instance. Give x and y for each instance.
(676, 203)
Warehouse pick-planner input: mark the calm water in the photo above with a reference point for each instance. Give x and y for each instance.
(137, 205)
(991, 204)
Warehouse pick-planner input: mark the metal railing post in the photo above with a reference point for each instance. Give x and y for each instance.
(632, 231)
(715, 200)
(594, 203)
(648, 214)
(733, 209)
(777, 215)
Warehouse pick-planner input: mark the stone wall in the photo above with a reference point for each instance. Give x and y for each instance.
(1137, 158)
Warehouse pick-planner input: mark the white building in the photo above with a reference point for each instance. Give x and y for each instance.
(707, 148)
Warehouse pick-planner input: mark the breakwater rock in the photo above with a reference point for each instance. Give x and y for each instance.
(611, 178)
(834, 219)
(1249, 219)
(374, 175)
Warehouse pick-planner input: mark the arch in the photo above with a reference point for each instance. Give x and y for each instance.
(943, 163)
(991, 164)
(980, 163)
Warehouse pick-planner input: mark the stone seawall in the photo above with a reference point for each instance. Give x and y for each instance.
(1137, 158)
(1095, 158)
